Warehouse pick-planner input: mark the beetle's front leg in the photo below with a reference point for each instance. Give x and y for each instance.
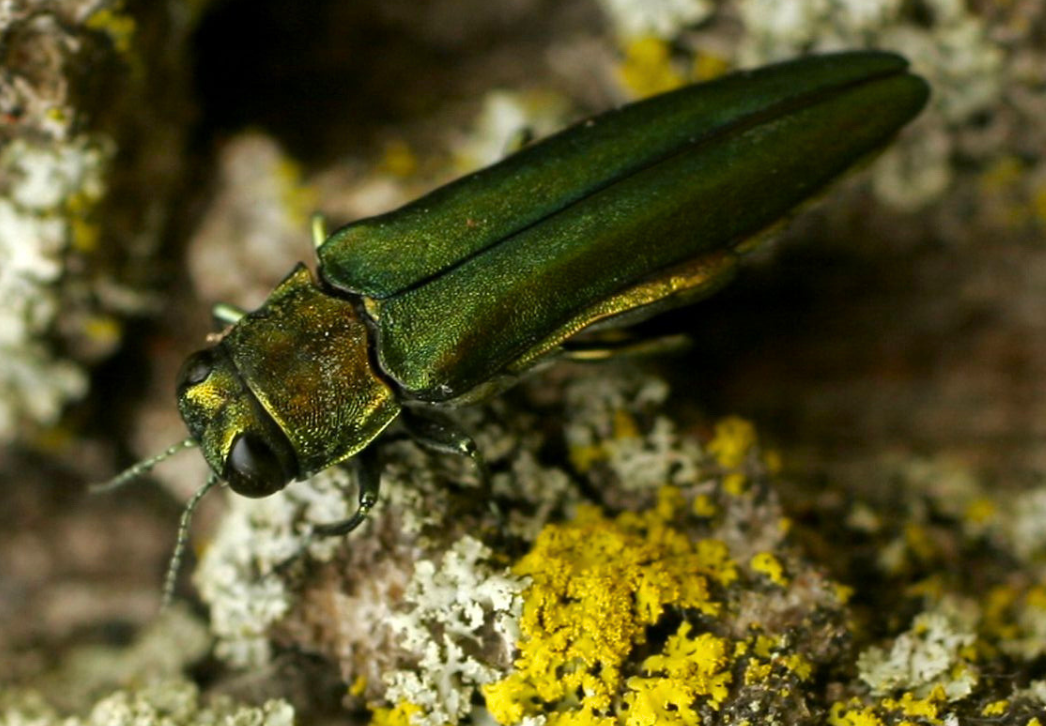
(368, 480)
(437, 432)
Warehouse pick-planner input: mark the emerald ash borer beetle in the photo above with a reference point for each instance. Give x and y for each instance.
(451, 298)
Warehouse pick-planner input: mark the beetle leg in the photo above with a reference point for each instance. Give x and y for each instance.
(368, 479)
(318, 225)
(679, 285)
(628, 345)
(439, 433)
(225, 314)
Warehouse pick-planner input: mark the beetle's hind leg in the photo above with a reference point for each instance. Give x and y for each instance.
(681, 284)
(624, 345)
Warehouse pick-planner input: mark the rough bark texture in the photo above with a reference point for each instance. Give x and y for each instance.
(158, 157)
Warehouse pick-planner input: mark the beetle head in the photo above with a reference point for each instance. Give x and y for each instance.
(240, 441)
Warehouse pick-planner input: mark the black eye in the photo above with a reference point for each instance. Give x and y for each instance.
(195, 369)
(253, 469)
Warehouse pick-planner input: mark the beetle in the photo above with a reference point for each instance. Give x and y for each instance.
(451, 298)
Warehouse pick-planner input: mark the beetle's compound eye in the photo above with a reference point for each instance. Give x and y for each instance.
(254, 469)
(195, 369)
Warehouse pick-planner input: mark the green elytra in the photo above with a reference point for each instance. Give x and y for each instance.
(452, 297)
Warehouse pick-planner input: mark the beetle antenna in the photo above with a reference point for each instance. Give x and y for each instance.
(142, 467)
(171, 579)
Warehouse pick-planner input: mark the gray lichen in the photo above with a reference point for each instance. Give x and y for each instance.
(172, 703)
(64, 233)
(142, 684)
(41, 184)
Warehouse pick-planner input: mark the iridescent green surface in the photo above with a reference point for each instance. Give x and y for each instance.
(470, 278)
(632, 212)
(381, 256)
(298, 367)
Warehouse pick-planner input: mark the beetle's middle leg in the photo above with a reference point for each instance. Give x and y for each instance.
(439, 433)
(681, 284)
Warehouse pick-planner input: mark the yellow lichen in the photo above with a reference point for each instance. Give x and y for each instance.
(625, 426)
(920, 542)
(1036, 597)
(670, 503)
(118, 25)
(703, 506)
(773, 461)
(800, 666)
(1005, 173)
(398, 159)
(980, 511)
(734, 484)
(763, 647)
(757, 672)
(734, 438)
(647, 69)
(696, 664)
(688, 669)
(297, 198)
(583, 456)
(912, 706)
(597, 585)
(399, 715)
(707, 66)
(767, 564)
(103, 330)
(853, 714)
(358, 686)
(1038, 204)
(999, 619)
(996, 708)
(86, 235)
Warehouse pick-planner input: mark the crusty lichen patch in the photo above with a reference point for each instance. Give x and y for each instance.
(597, 585)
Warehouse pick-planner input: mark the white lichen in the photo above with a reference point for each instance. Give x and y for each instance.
(236, 575)
(256, 227)
(953, 51)
(1036, 691)
(1028, 643)
(168, 703)
(42, 186)
(661, 18)
(545, 489)
(505, 120)
(462, 625)
(1025, 525)
(641, 462)
(928, 655)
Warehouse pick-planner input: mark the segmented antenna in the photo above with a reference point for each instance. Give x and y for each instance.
(140, 468)
(170, 580)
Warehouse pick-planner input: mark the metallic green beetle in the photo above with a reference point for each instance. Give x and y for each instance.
(451, 298)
